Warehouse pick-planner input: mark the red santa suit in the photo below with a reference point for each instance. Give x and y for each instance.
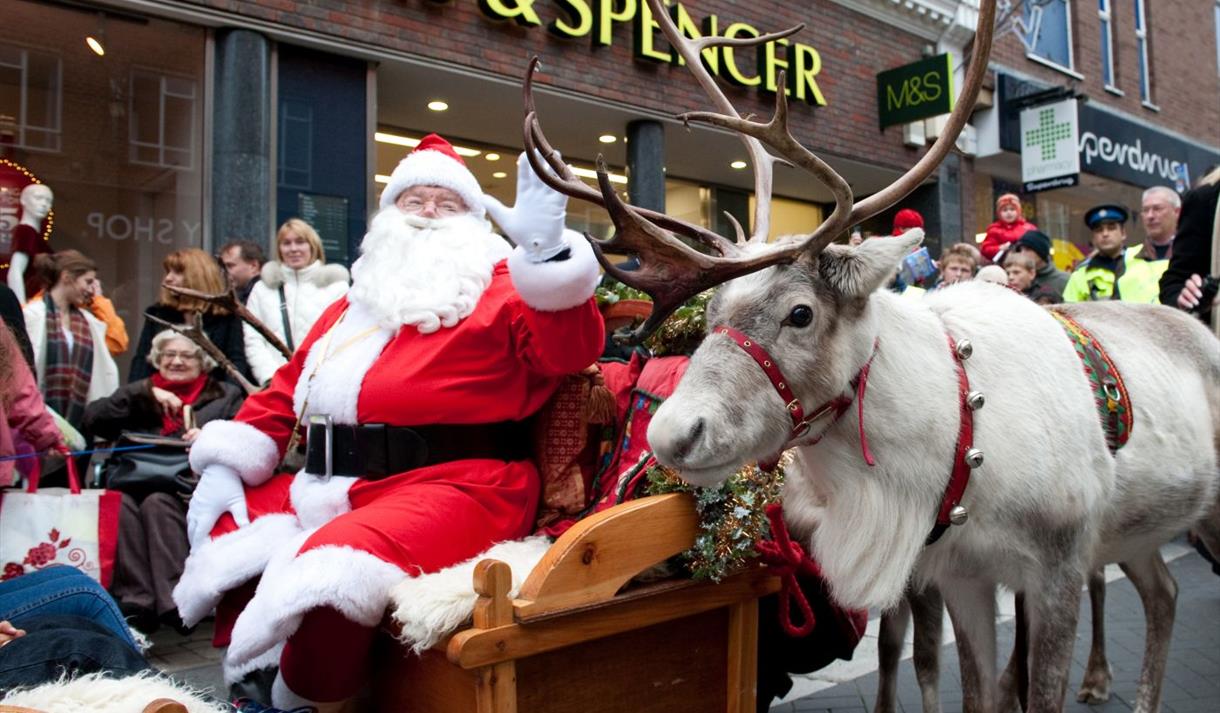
(343, 542)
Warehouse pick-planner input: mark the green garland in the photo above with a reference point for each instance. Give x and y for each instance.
(681, 333)
(731, 518)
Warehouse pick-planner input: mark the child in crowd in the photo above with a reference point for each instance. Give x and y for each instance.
(958, 264)
(1007, 229)
(993, 274)
(1022, 269)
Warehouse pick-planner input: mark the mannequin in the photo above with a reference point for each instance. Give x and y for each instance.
(36, 200)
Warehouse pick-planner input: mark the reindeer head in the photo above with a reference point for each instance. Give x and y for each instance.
(808, 303)
(812, 318)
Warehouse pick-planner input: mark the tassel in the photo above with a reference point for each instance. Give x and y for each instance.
(600, 408)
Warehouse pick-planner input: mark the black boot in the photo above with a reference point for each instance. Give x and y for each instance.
(255, 685)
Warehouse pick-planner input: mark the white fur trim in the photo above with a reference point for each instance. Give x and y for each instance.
(553, 286)
(315, 273)
(239, 446)
(226, 562)
(433, 168)
(268, 659)
(431, 606)
(317, 500)
(102, 693)
(355, 583)
(335, 388)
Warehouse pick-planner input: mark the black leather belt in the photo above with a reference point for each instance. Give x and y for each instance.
(375, 451)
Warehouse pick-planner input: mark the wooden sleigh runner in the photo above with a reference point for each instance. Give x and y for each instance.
(580, 637)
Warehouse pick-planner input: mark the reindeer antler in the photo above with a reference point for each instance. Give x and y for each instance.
(229, 301)
(672, 271)
(194, 332)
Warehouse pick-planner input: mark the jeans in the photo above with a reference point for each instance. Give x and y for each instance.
(58, 645)
(61, 590)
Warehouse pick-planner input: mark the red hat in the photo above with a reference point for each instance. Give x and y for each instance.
(433, 162)
(906, 219)
(1006, 199)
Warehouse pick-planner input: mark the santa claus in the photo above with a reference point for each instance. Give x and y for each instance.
(408, 397)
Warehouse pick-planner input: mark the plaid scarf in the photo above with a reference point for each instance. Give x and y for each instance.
(65, 386)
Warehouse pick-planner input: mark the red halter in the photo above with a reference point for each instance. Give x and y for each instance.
(966, 457)
(800, 422)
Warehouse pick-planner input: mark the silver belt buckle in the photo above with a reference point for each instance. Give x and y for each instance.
(328, 446)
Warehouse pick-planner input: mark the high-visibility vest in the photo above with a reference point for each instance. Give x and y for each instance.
(1140, 281)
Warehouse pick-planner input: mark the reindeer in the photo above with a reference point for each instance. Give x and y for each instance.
(888, 493)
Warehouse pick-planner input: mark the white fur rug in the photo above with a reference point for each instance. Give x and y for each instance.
(434, 605)
(98, 693)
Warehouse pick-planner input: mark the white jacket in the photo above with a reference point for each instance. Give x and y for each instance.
(105, 377)
(307, 292)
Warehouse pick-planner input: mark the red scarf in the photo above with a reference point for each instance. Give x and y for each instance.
(187, 391)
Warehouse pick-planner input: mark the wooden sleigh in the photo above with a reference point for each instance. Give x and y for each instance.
(580, 637)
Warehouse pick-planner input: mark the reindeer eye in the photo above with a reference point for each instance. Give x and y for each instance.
(800, 316)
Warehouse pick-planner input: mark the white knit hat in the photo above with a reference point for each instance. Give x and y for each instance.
(434, 163)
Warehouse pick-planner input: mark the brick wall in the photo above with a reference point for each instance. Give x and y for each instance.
(1182, 61)
(853, 49)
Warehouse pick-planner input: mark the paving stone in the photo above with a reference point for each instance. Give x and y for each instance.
(1192, 679)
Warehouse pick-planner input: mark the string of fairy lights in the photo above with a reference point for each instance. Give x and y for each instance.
(50, 220)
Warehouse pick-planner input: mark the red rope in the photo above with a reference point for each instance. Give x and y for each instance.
(787, 558)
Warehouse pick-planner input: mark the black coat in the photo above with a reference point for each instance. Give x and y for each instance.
(133, 408)
(14, 319)
(223, 329)
(1192, 245)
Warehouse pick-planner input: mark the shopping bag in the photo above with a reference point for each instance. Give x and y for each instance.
(40, 528)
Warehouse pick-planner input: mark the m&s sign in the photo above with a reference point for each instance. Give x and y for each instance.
(915, 91)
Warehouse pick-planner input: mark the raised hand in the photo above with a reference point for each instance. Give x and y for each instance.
(535, 222)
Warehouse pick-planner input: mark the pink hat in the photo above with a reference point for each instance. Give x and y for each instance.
(434, 163)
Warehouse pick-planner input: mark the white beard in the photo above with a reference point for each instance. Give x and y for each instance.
(429, 273)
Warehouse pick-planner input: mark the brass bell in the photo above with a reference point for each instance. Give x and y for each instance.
(975, 400)
(974, 457)
(958, 515)
(964, 349)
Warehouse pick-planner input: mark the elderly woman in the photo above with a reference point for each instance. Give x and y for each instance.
(152, 532)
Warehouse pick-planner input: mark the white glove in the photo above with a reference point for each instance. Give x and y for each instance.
(219, 491)
(535, 222)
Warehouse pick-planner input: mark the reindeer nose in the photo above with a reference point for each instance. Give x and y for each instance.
(683, 447)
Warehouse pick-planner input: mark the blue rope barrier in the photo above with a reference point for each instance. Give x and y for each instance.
(119, 449)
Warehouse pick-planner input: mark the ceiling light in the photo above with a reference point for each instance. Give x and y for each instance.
(607, 138)
(384, 137)
(492, 157)
(381, 178)
(738, 164)
(589, 173)
(97, 40)
(437, 105)
(499, 174)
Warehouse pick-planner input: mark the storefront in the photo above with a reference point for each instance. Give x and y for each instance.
(189, 124)
(1120, 157)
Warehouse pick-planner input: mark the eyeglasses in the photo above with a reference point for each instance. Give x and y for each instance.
(184, 356)
(446, 208)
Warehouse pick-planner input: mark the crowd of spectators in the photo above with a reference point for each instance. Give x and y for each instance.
(1170, 265)
(60, 391)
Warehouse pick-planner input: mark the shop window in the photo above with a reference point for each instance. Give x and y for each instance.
(1107, 43)
(1141, 43)
(296, 143)
(1050, 31)
(31, 98)
(162, 125)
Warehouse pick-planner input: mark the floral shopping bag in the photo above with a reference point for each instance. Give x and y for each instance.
(39, 528)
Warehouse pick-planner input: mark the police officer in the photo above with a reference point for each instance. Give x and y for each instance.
(1111, 273)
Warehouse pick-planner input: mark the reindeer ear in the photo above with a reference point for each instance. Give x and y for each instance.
(860, 270)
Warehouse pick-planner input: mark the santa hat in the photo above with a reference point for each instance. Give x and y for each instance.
(1006, 199)
(434, 163)
(906, 219)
